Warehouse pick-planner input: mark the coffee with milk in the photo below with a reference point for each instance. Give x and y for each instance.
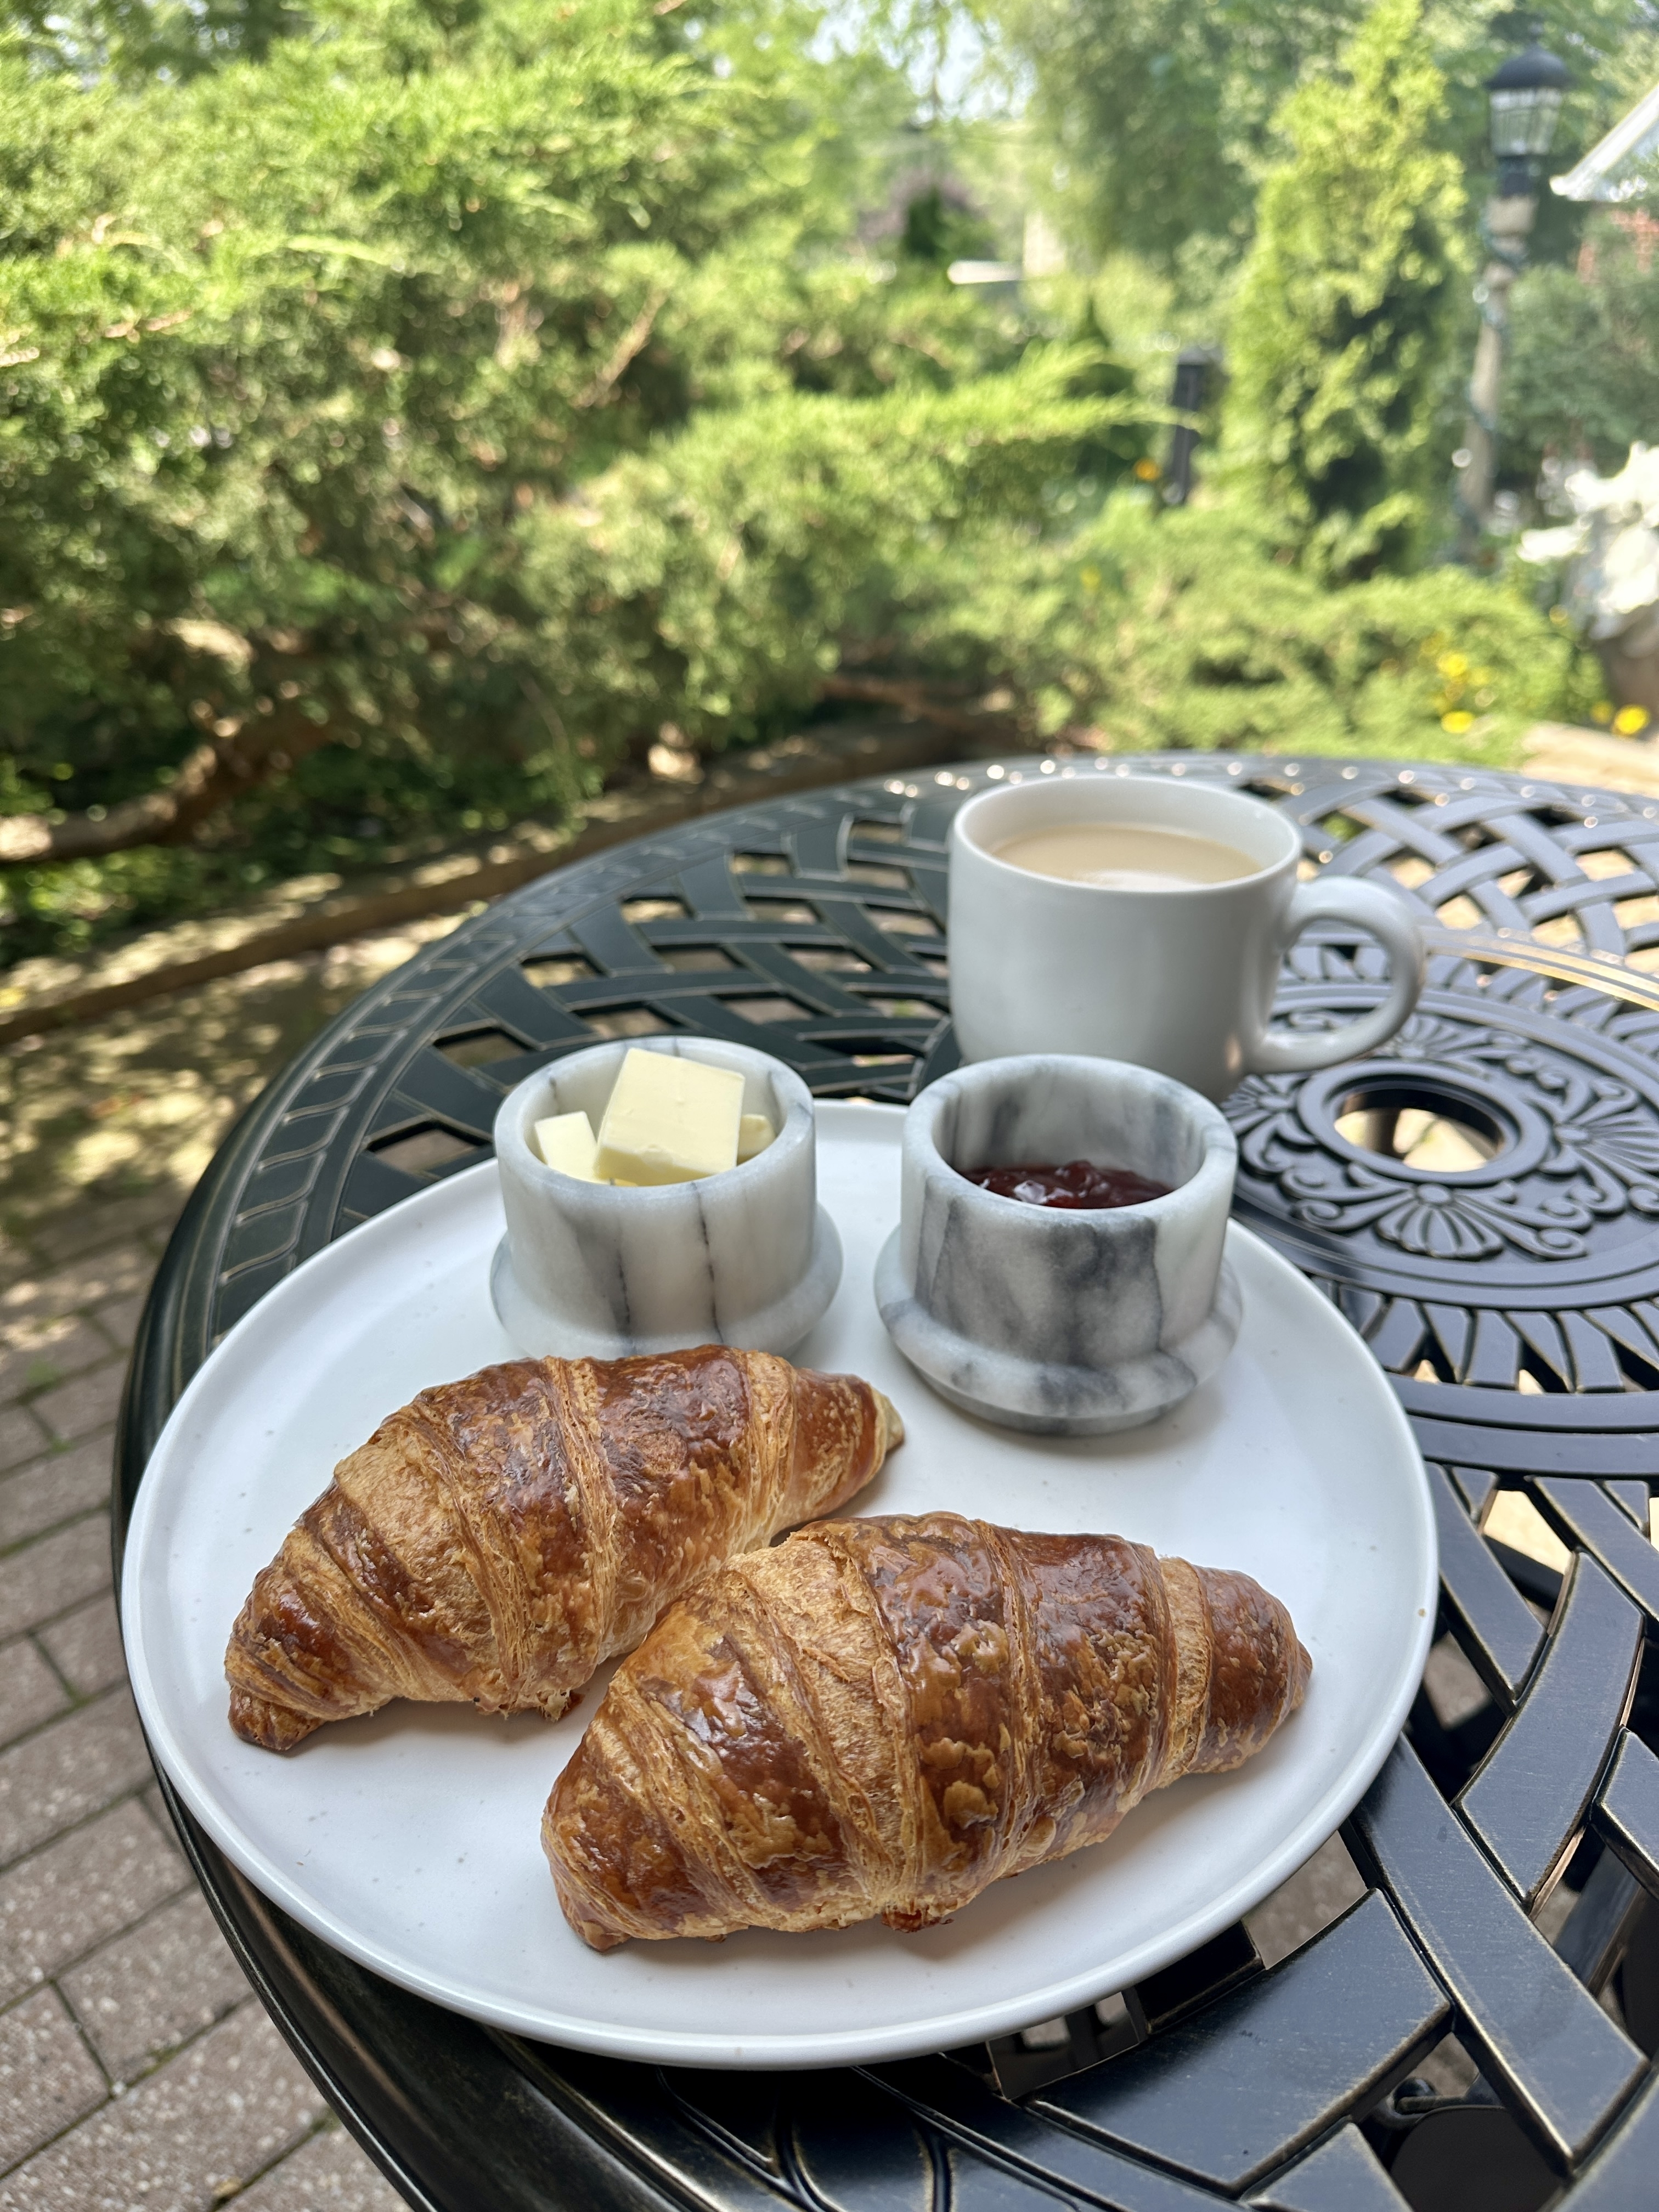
(1127, 856)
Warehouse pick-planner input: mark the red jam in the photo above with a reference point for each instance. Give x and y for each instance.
(1079, 1186)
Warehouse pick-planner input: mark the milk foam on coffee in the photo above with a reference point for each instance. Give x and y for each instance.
(1124, 856)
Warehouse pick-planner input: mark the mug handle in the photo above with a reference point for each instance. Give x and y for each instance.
(1385, 916)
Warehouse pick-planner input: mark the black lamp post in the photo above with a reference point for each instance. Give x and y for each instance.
(1526, 93)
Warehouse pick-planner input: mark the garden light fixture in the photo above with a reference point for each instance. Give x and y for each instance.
(1526, 93)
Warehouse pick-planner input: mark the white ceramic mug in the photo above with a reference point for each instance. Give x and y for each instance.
(1180, 980)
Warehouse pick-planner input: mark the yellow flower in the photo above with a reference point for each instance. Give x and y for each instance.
(1601, 711)
(1455, 723)
(1147, 472)
(1631, 720)
(1453, 665)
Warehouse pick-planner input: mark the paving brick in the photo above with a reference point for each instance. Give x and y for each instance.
(147, 1990)
(46, 2078)
(34, 1354)
(224, 2109)
(89, 1402)
(110, 1221)
(73, 1767)
(327, 2174)
(119, 1319)
(53, 1573)
(111, 1274)
(76, 1892)
(54, 1489)
(29, 1691)
(22, 1437)
(85, 1646)
(1320, 1891)
(156, 1805)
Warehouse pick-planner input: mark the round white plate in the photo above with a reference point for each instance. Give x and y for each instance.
(410, 1840)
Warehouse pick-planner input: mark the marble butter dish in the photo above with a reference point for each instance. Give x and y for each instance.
(1067, 1324)
(746, 1256)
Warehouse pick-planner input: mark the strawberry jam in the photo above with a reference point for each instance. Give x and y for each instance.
(1079, 1186)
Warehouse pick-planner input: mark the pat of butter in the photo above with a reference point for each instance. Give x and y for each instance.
(670, 1121)
(755, 1134)
(565, 1141)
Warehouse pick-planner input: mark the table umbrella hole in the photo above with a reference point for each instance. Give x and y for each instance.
(1421, 1128)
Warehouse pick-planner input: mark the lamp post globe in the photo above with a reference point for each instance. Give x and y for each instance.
(1526, 93)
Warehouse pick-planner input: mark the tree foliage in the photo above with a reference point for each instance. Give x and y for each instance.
(1162, 112)
(1153, 123)
(1581, 379)
(409, 409)
(307, 361)
(1349, 304)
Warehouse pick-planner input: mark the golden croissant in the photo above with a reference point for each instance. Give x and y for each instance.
(497, 1538)
(885, 1715)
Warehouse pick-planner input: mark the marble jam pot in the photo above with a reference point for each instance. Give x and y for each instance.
(747, 1257)
(1068, 1323)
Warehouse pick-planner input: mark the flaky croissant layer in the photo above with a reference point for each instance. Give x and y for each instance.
(497, 1538)
(885, 1715)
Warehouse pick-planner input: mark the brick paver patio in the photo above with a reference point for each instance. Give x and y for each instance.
(137, 2070)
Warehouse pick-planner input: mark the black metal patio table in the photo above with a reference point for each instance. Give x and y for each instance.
(1512, 1295)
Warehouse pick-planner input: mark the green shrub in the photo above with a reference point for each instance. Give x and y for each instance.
(728, 572)
(740, 580)
(298, 356)
(1150, 632)
(1581, 379)
(1348, 305)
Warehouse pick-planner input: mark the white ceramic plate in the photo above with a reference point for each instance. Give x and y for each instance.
(410, 1840)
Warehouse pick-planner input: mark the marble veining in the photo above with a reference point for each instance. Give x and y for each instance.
(1075, 1323)
(747, 1257)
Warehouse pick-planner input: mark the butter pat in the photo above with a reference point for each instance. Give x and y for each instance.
(755, 1134)
(565, 1141)
(669, 1121)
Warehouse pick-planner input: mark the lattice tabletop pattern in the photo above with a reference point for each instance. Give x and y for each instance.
(1481, 1198)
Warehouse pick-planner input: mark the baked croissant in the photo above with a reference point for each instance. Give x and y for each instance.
(497, 1538)
(885, 1715)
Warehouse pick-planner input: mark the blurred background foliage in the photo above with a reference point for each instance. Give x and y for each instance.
(412, 409)
(1582, 379)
